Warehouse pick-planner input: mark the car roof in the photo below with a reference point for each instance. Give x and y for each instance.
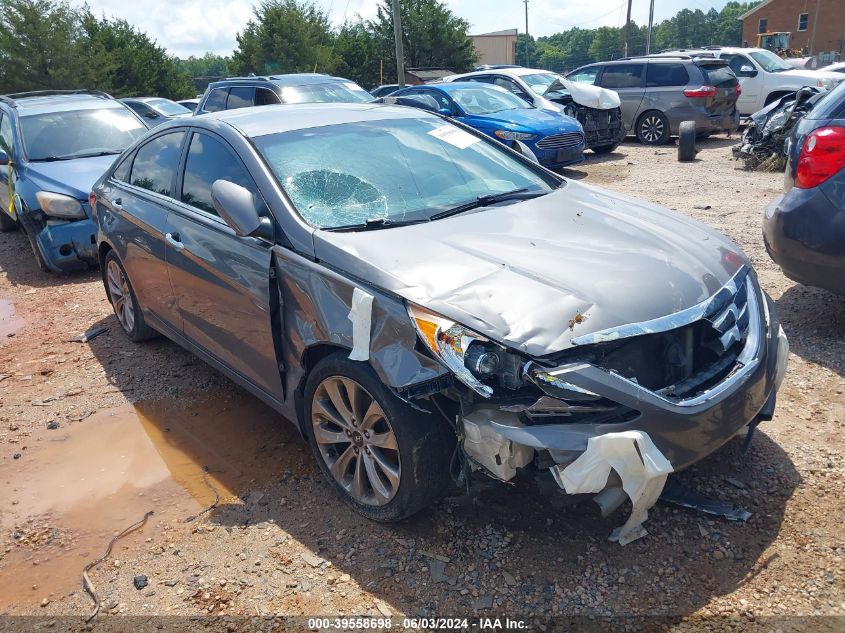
(293, 79)
(458, 85)
(145, 99)
(42, 103)
(513, 72)
(255, 122)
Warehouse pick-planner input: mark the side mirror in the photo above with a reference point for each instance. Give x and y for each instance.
(4, 158)
(151, 115)
(747, 71)
(236, 206)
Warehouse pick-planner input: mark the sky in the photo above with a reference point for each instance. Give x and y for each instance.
(192, 27)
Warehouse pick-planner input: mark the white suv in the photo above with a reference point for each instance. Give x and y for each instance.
(763, 76)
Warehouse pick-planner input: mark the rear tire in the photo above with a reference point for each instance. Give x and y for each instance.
(686, 141)
(6, 222)
(605, 149)
(384, 458)
(122, 297)
(653, 128)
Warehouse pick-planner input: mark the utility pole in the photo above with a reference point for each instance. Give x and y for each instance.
(815, 22)
(527, 53)
(397, 35)
(627, 27)
(650, 22)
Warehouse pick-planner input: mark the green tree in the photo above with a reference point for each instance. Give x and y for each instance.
(358, 54)
(208, 65)
(284, 36)
(528, 53)
(126, 62)
(433, 36)
(39, 46)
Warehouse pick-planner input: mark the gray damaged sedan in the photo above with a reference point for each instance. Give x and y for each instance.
(427, 305)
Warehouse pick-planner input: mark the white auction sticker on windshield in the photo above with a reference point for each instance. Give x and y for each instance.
(454, 136)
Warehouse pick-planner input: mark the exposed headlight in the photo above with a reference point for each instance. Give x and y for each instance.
(825, 83)
(59, 206)
(507, 135)
(450, 342)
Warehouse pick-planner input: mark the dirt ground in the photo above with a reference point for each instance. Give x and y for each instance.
(94, 435)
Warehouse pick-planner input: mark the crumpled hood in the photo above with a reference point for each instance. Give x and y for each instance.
(520, 273)
(70, 177)
(591, 96)
(542, 121)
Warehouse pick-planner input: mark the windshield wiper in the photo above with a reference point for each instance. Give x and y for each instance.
(486, 201)
(50, 159)
(373, 224)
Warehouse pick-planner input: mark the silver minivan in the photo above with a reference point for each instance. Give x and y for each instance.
(659, 92)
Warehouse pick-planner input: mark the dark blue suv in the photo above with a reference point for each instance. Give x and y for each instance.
(53, 146)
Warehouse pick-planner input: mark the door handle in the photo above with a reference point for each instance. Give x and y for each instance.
(173, 240)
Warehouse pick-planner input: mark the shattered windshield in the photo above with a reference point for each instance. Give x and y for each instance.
(486, 100)
(79, 133)
(541, 82)
(333, 92)
(770, 62)
(390, 170)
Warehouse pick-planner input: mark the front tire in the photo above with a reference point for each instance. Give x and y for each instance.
(384, 458)
(653, 128)
(123, 300)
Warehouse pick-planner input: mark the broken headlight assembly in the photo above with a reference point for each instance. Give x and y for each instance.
(474, 359)
(57, 205)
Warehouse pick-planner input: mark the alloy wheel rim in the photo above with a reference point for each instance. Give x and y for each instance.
(121, 297)
(652, 128)
(356, 441)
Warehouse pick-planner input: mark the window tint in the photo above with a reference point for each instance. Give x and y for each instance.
(265, 97)
(718, 76)
(622, 76)
(137, 107)
(441, 99)
(666, 75)
(6, 132)
(121, 172)
(736, 62)
(156, 162)
(240, 97)
(482, 79)
(802, 21)
(209, 160)
(216, 100)
(585, 75)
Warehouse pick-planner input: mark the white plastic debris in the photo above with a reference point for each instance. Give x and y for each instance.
(643, 473)
(361, 315)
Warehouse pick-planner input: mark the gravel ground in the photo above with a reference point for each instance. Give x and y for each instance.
(95, 434)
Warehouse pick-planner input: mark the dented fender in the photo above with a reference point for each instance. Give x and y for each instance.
(315, 303)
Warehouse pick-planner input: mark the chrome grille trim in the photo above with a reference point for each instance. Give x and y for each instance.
(561, 141)
(707, 309)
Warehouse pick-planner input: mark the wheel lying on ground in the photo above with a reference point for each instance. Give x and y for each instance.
(123, 300)
(686, 141)
(653, 128)
(385, 459)
(605, 149)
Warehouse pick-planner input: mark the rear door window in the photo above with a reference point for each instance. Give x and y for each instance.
(719, 76)
(660, 75)
(156, 163)
(6, 132)
(209, 160)
(736, 62)
(216, 100)
(240, 97)
(263, 96)
(622, 76)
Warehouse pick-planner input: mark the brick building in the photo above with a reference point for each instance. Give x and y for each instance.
(817, 25)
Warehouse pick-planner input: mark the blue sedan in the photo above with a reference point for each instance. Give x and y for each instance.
(555, 139)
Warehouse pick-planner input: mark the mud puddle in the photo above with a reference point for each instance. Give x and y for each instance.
(10, 322)
(75, 487)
